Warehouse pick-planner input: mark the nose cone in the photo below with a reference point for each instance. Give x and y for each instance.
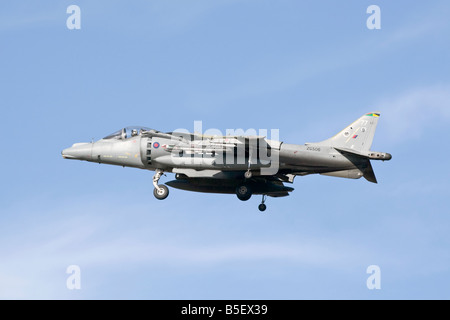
(79, 151)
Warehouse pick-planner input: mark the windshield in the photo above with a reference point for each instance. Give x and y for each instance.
(128, 132)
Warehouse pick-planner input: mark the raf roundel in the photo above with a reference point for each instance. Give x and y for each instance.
(156, 145)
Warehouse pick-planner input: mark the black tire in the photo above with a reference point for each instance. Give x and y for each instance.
(262, 207)
(162, 193)
(243, 192)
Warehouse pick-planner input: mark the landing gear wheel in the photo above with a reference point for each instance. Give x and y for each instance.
(161, 192)
(248, 174)
(243, 192)
(262, 207)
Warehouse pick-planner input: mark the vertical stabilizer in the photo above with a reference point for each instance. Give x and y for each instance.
(358, 135)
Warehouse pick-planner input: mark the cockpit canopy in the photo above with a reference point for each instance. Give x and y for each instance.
(128, 132)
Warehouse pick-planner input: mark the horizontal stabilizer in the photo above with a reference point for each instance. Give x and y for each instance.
(369, 174)
(373, 155)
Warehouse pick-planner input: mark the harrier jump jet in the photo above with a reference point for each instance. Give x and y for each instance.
(241, 165)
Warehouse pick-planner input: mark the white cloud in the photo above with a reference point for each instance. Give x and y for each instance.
(35, 259)
(409, 114)
(261, 76)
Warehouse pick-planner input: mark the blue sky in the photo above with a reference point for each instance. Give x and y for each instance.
(307, 68)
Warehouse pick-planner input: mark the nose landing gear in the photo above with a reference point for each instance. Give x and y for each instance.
(161, 191)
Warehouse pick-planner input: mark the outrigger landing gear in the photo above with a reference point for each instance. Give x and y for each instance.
(161, 191)
(262, 207)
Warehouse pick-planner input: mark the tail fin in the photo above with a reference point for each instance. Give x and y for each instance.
(357, 136)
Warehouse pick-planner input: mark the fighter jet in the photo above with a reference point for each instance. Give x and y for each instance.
(241, 165)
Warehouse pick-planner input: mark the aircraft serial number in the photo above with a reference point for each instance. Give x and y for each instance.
(313, 148)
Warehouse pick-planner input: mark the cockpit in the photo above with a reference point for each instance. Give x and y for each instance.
(128, 132)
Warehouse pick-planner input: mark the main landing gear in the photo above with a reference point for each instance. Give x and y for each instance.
(244, 193)
(161, 191)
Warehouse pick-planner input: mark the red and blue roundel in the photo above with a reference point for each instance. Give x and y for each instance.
(156, 145)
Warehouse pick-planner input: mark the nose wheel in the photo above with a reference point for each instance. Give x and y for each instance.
(262, 207)
(161, 191)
